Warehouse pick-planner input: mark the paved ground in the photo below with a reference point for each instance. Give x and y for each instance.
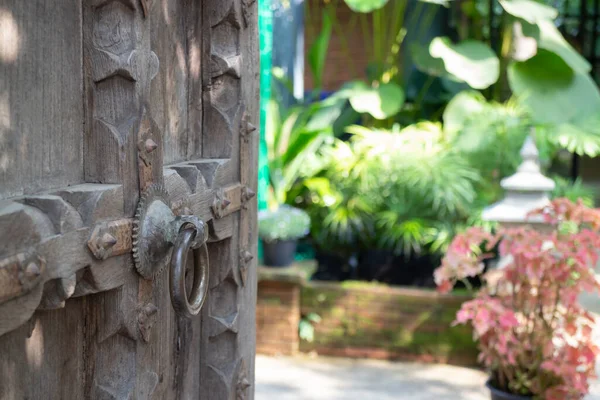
(304, 378)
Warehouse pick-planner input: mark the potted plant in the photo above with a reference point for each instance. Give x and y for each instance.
(280, 231)
(293, 136)
(533, 335)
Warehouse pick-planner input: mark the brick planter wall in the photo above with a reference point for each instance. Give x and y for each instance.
(376, 321)
(361, 320)
(277, 318)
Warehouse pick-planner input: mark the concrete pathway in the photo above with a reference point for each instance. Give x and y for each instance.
(324, 378)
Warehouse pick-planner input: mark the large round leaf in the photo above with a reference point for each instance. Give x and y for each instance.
(553, 92)
(381, 102)
(470, 61)
(425, 62)
(365, 6)
(548, 37)
(461, 108)
(529, 10)
(582, 136)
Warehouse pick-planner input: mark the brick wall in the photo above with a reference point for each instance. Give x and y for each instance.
(375, 321)
(277, 318)
(347, 56)
(363, 320)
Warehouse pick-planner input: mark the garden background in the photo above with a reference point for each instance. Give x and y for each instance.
(392, 124)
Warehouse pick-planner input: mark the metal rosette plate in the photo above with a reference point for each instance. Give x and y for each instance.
(151, 232)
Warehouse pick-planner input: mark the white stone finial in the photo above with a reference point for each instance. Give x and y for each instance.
(527, 190)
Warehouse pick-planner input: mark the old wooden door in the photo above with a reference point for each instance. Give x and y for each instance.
(127, 170)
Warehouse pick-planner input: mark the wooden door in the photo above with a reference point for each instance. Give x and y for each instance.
(126, 128)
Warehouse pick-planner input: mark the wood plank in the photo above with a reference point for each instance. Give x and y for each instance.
(249, 178)
(195, 43)
(45, 358)
(40, 143)
(168, 99)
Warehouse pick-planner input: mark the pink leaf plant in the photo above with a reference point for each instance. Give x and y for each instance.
(532, 333)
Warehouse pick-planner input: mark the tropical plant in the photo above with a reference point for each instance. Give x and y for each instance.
(574, 191)
(384, 26)
(293, 136)
(422, 188)
(544, 72)
(488, 135)
(532, 333)
(285, 223)
(402, 190)
(337, 199)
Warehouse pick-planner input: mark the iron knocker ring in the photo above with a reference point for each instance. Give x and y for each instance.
(188, 305)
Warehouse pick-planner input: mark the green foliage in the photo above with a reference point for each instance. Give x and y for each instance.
(318, 52)
(409, 186)
(381, 102)
(337, 200)
(469, 61)
(400, 189)
(285, 223)
(549, 78)
(548, 37)
(488, 135)
(529, 10)
(365, 6)
(552, 91)
(581, 137)
(306, 329)
(574, 191)
(293, 136)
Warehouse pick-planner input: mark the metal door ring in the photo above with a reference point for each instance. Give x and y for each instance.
(184, 305)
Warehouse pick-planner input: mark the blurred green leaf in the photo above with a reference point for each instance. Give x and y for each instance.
(581, 136)
(381, 102)
(548, 37)
(552, 91)
(445, 3)
(470, 61)
(529, 10)
(291, 144)
(365, 6)
(425, 62)
(306, 331)
(461, 108)
(318, 51)
(574, 190)
(313, 317)
(279, 74)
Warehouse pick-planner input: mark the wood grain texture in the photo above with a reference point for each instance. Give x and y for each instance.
(40, 143)
(168, 100)
(45, 358)
(228, 330)
(119, 67)
(248, 169)
(107, 333)
(53, 232)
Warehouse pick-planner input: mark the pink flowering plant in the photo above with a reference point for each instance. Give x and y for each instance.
(532, 333)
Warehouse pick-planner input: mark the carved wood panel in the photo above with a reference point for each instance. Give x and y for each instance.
(174, 81)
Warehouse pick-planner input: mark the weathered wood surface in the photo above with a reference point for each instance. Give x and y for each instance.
(230, 101)
(168, 100)
(164, 84)
(40, 66)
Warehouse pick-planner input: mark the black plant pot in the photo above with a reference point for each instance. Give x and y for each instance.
(497, 394)
(279, 253)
